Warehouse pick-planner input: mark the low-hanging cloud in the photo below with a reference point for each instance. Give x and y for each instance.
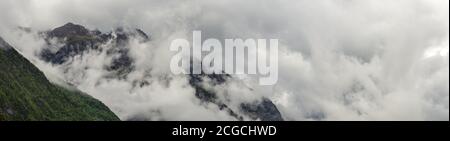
(339, 59)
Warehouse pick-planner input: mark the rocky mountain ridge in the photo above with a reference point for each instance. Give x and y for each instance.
(77, 39)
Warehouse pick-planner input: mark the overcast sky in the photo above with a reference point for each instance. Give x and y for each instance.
(338, 60)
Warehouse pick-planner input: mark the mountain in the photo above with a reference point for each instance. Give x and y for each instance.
(263, 110)
(26, 94)
(75, 40)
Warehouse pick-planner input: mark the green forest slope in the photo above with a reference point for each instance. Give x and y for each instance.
(26, 94)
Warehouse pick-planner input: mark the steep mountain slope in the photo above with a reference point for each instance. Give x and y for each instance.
(263, 110)
(75, 40)
(26, 94)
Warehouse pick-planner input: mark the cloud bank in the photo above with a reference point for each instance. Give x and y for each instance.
(339, 59)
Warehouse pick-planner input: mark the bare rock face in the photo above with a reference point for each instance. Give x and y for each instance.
(77, 40)
(263, 110)
(69, 30)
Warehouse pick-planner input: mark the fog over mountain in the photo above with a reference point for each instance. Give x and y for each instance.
(338, 59)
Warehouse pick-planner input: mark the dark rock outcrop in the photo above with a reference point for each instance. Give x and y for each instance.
(263, 110)
(69, 30)
(73, 40)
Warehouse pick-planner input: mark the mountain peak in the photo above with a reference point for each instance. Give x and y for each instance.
(72, 25)
(69, 29)
(69, 24)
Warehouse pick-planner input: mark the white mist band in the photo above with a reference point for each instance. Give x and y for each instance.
(257, 56)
